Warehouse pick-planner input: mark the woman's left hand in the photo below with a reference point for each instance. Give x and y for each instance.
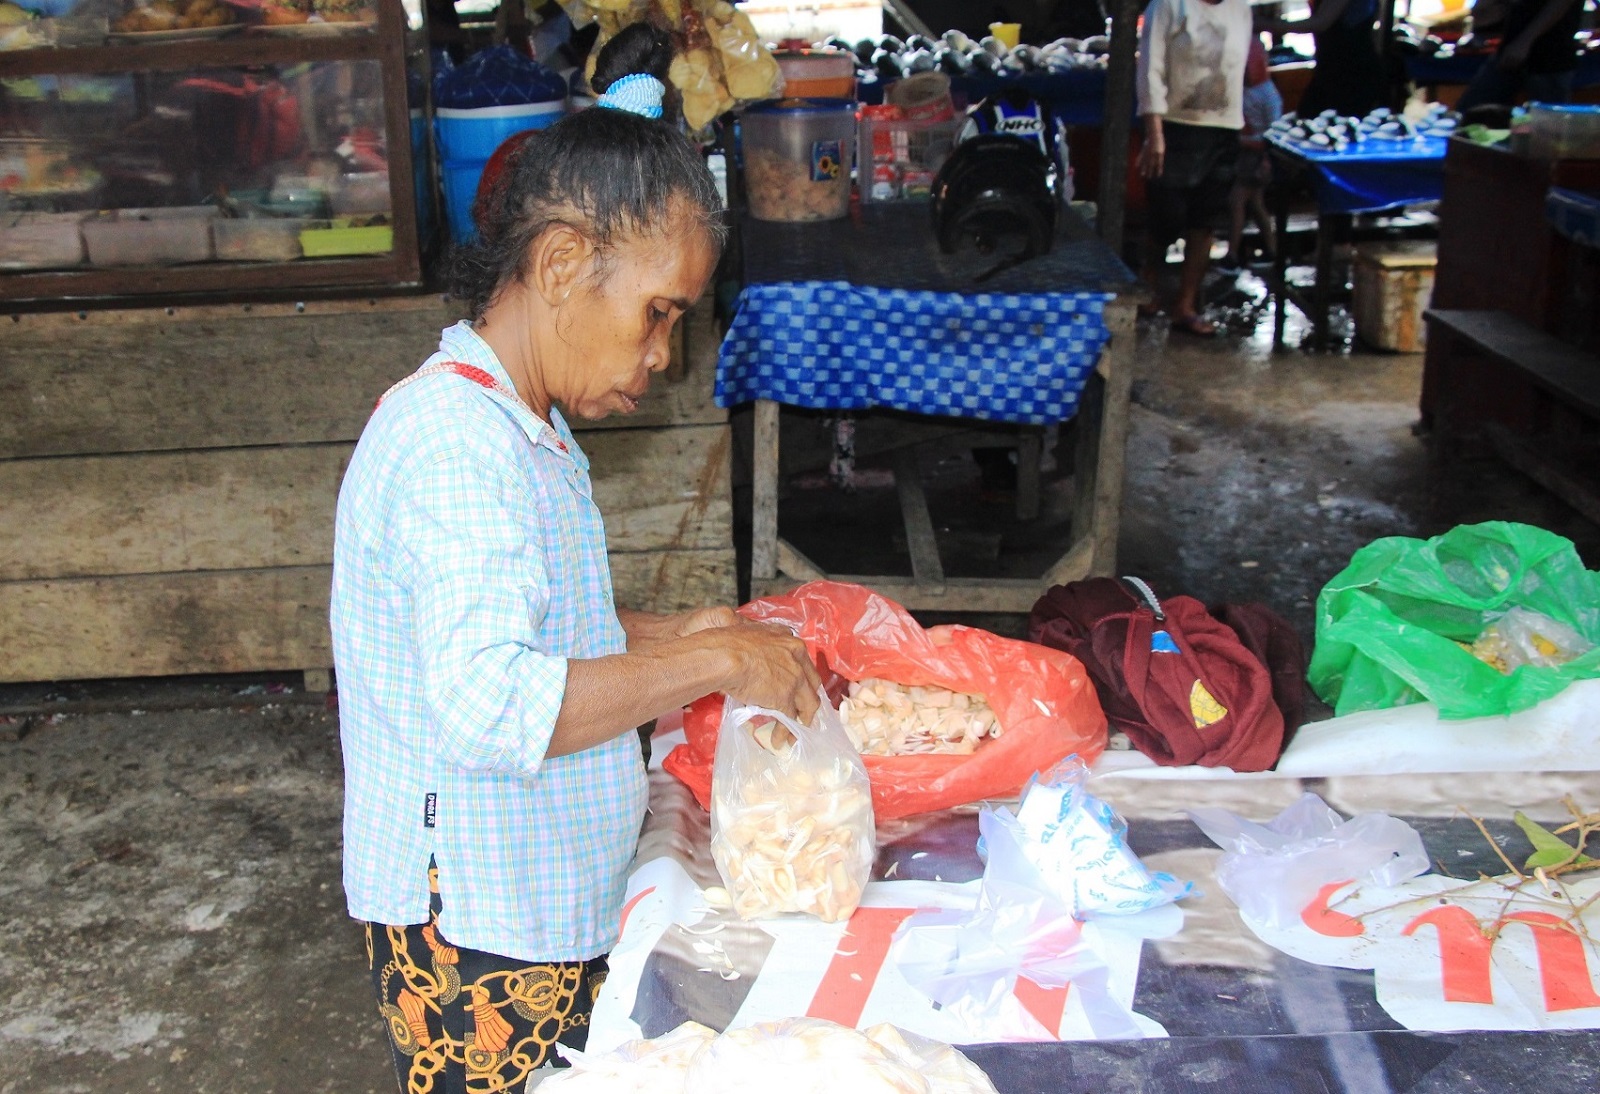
(703, 619)
(647, 628)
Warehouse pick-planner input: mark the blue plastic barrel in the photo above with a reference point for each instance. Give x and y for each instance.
(475, 134)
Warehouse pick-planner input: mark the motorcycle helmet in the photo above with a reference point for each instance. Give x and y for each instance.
(993, 196)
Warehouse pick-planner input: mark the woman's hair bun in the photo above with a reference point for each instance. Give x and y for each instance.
(637, 48)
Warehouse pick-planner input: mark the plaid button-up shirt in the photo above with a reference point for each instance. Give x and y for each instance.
(469, 564)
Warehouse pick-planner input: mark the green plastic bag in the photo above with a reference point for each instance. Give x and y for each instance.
(1393, 626)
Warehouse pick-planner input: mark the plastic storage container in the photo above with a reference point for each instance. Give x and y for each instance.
(898, 158)
(257, 239)
(150, 237)
(475, 134)
(467, 139)
(797, 158)
(817, 73)
(361, 194)
(342, 237)
(41, 241)
(460, 185)
(1564, 132)
(1393, 285)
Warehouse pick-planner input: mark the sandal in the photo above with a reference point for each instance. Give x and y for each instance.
(1196, 325)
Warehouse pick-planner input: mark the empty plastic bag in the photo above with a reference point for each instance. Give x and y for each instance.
(1273, 870)
(1059, 860)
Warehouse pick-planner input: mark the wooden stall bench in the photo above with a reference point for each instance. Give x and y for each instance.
(168, 480)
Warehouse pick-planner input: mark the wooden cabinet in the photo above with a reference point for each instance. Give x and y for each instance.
(280, 131)
(1498, 253)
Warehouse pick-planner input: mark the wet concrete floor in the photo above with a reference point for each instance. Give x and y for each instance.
(170, 875)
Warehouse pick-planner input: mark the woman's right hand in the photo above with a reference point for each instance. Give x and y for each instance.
(1153, 153)
(771, 668)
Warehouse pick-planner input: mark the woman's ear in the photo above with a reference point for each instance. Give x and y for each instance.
(559, 259)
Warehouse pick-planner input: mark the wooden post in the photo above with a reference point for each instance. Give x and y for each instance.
(764, 495)
(1113, 436)
(1117, 123)
(926, 568)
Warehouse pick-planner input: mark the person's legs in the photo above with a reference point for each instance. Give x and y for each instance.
(1166, 206)
(1238, 202)
(1263, 218)
(1196, 258)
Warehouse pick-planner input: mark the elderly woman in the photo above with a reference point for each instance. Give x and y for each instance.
(489, 686)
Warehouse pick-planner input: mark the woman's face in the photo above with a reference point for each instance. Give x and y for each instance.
(616, 329)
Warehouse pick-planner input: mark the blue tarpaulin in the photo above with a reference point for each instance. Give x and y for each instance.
(1374, 175)
(1008, 357)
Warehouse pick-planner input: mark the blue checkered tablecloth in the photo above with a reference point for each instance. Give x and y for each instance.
(833, 345)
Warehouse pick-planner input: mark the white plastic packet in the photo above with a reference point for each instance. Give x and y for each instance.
(791, 814)
(1273, 870)
(1079, 846)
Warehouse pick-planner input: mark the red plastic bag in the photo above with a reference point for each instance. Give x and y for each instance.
(1042, 697)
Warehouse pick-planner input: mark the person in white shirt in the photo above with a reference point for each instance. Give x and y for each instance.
(1190, 91)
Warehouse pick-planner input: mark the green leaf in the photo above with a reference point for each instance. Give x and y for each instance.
(1549, 849)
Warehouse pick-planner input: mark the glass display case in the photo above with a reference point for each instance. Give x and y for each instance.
(183, 146)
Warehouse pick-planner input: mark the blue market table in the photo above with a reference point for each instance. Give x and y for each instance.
(1370, 177)
(866, 313)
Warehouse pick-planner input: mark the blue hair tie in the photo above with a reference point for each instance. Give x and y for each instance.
(639, 93)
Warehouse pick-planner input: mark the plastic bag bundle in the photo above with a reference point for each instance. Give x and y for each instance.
(1523, 637)
(788, 1056)
(1043, 703)
(1273, 870)
(791, 815)
(1397, 625)
(497, 76)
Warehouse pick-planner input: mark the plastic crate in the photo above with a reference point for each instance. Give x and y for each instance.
(41, 241)
(897, 158)
(258, 239)
(150, 237)
(1564, 132)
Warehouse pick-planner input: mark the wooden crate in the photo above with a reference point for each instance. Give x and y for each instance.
(168, 481)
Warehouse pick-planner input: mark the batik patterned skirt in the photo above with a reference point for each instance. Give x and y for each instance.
(465, 1022)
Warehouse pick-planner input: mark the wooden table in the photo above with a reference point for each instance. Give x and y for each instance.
(839, 251)
(1419, 179)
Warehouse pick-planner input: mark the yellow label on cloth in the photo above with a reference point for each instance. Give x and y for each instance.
(1204, 707)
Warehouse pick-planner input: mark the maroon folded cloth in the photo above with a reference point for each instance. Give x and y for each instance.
(1178, 682)
(1276, 644)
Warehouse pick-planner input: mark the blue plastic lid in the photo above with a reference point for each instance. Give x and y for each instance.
(1566, 108)
(801, 106)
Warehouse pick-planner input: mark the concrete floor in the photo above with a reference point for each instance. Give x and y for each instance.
(174, 919)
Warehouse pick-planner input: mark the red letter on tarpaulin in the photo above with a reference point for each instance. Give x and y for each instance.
(1463, 953)
(1324, 920)
(1563, 964)
(841, 996)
